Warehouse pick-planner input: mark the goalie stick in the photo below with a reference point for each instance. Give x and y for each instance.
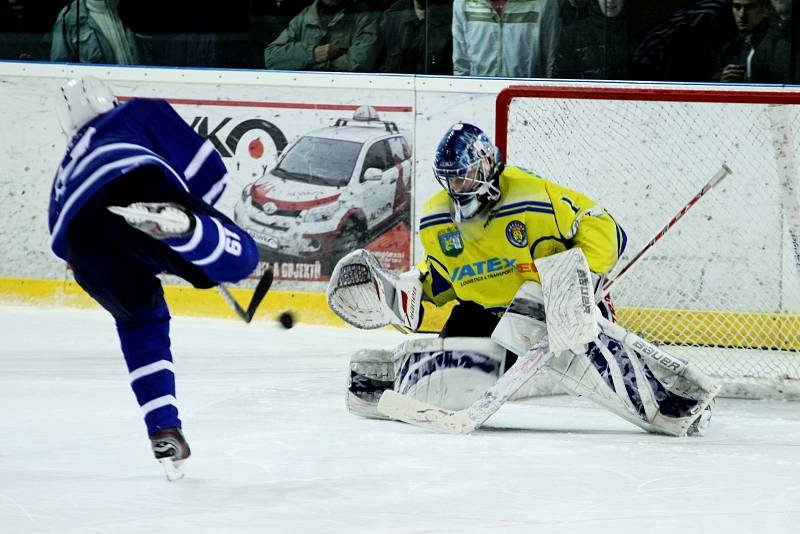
(259, 293)
(716, 179)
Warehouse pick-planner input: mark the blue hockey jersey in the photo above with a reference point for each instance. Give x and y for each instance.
(137, 133)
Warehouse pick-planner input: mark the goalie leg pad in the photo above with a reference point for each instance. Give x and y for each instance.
(371, 372)
(450, 373)
(643, 390)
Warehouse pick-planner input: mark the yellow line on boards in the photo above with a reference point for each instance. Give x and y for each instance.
(685, 327)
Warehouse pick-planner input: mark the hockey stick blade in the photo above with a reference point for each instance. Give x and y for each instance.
(259, 293)
(415, 412)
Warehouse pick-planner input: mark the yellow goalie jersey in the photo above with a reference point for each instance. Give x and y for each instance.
(485, 259)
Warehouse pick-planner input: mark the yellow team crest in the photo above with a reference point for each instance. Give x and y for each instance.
(516, 234)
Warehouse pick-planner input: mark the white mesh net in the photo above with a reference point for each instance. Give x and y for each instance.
(722, 287)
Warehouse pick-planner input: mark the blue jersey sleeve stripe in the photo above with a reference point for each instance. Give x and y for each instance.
(218, 249)
(200, 157)
(537, 203)
(422, 225)
(216, 190)
(102, 152)
(435, 216)
(505, 213)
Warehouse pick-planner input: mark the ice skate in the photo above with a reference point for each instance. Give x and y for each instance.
(161, 220)
(171, 450)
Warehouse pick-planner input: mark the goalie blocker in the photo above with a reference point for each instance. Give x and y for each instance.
(452, 384)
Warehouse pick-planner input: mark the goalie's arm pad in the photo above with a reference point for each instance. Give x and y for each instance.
(366, 295)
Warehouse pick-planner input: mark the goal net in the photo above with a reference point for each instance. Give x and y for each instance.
(721, 288)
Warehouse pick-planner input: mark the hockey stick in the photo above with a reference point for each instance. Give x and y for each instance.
(716, 179)
(415, 412)
(259, 292)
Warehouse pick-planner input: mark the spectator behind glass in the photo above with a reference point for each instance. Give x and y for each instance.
(335, 35)
(267, 20)
(91, 31)
(23, 26)
(734, 60)
(596, 46)
(774, 55)
(571, 10)
(512, 38)
(566, 13)
(416, 37)
(681, 48)
(186, 33)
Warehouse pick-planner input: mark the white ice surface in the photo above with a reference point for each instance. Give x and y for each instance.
(274, 450)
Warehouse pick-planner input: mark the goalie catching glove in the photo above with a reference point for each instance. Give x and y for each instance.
(367, 296)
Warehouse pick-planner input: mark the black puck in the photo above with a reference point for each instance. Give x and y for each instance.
(286, 319)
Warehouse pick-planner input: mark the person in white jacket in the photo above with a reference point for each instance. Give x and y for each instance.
(507, 38)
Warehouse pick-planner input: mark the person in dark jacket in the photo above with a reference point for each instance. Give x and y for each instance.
(329, 35)
(681, 48)
(734, 59)
(417, 38)
(773, 57)
(596, 46)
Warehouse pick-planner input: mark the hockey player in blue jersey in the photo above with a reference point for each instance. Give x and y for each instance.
(131, 199)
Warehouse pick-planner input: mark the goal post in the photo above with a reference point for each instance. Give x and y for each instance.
(722, 287)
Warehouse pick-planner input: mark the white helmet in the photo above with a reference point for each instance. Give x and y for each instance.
(80, 100)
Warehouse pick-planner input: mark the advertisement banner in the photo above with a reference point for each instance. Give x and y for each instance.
(312, 180)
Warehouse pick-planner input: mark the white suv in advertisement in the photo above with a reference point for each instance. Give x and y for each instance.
(331, 191)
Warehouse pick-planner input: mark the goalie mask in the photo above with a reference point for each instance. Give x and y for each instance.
(81, 100)
(467, 165)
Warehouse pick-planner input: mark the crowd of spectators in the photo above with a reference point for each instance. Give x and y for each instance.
(659, 40)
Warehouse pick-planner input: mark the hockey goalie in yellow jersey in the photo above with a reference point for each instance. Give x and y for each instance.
(485, 237)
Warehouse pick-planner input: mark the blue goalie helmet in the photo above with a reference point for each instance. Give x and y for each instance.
(467, 165)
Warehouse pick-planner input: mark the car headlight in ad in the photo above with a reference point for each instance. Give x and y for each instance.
(321, 213)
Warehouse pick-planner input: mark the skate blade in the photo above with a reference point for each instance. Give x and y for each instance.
(172, 469)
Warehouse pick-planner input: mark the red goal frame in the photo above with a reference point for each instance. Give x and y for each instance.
(645, 93)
